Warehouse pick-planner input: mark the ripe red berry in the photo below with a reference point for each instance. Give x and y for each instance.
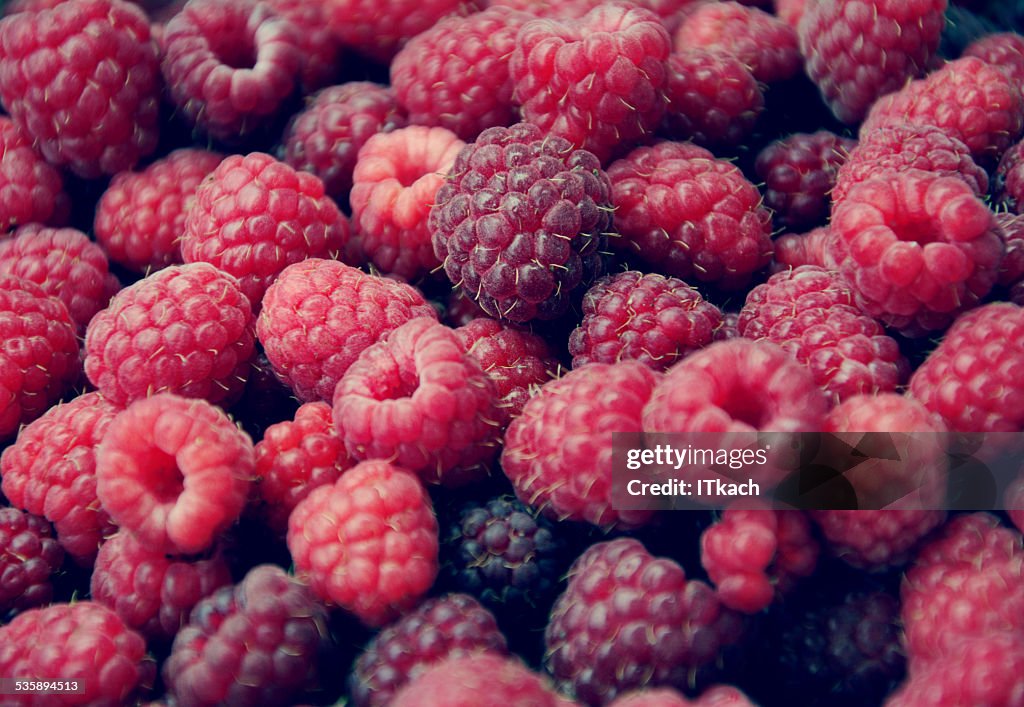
(31, 191)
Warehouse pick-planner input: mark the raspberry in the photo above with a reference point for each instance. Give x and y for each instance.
(368, 543)
(520, 222)
(516, 360)
(603, 93)
(465, 681)
(975, 539)
(902, 147)
(1011, 228)
(791, 11)
(254, 216)
(296, 456)
(417, 398)
(1004, 50)
(319, 315)
(65, 264)
(763, 43)
(1009, 178)
(153, 594)
(810, 312)
(29, 555)
(799, 173)
(320, 48)
(230, 65)
(795, 249)
(729, 328)
(86, 90)
(609, 632)
(717, 696)
(971, 100)
(39, 357)
(31, 191)
(969, 378)
(455, 75)
(141, 215)
(395, 182)
(558, 453)
(453, 625)
(174, 471)
(857, 51)
(252, 643)
(712, 98)
(690, 216)
(917, 248)
(653, 319)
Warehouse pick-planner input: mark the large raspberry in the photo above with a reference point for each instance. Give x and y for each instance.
(520, 222)
(31, 191)
(595, 81)
(87, 89)
(1009, 179)
(1001, 49)
(186, 329)
(367, 543)
(29, 555)
(254, 216)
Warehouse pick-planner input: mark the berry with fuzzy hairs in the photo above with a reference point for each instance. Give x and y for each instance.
(1004, 50)
(31, 191)
(29, 555)
(1009, 179)
(795, 249)
(321, 51)
(976, 539)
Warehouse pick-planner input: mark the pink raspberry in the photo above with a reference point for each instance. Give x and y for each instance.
(604, 91)
(325, 137)
(141, 216)
(1011, 228)
(395, 183)
(254, 216)
(368, 542)
(558, 452)
(1004, 50)
(319, 315)
(29, 556)
(186, 329)
(689, 215)
(791, 11)
(417, 398)
(795, 249)
(51, 471)
(86, 90)
(975, 539)
(857, 51)
(31, 191)
(917, 248)
(174, 471)
(653, 319)
(321, 51)
(717, 696)
(152, 593)
(1009, 178)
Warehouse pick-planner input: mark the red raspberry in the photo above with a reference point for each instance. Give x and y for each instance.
(83, 642)
(252, 643)
(65, 264)
(976, 539)
(326, 136)
(795, 249)
(517, 361)
(141, 215)
(254, 216)
(186, 329)
(1009, 178)
(653, 319)
(717, 696)
(799, 173)
(558, 453)
(450, 626)
(51, 471)
(484, 678)
(86, 90)
(859, 50)
(1011, 228)
(320, 48)
(39, 358)
(152, 593)
(368, 542)
(903, 147)
(319, 315)
(712, 98)
(603, 93)
(174, 471)
(628, 619)
(690, 216)
(230, 65)
(971, 100)
(729, 328)
(455, 75)
(970, 379)
(296, 456)
(791, 11)
(1004, 50)
(31, 191)
(395, 183)
(810, 312)
(417, 398)
(917, 248)
(29, 555)
(763, 43)
(520, 222)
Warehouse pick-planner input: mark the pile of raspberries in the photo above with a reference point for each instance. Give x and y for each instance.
(318, 317)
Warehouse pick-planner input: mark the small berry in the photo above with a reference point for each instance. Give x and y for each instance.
(31, 190)
(29, 556)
